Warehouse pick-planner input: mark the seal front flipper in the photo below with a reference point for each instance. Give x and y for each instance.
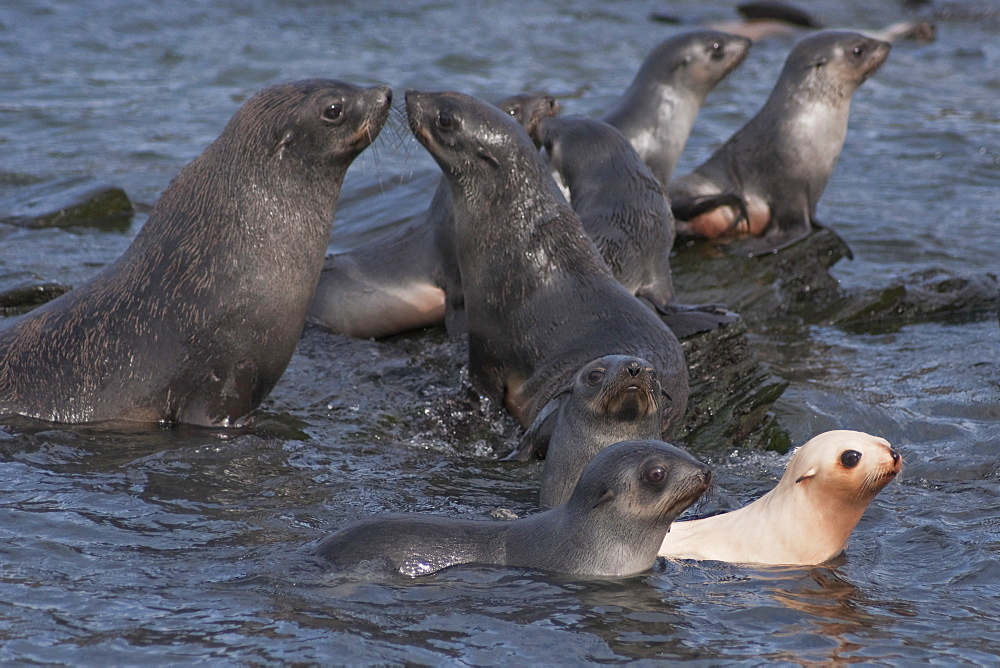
(687, 320)
(536, 437)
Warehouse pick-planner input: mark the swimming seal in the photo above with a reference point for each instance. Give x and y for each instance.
(779, 163)
(808, 517)
(539, 299)
(611, 526)
(401, 280)
(614, 398)
(199, 317)
(658, 109)
(625, 211)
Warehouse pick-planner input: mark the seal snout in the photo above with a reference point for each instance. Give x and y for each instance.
(633, 368)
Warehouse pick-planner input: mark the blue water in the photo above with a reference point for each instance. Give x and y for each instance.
(183, 546)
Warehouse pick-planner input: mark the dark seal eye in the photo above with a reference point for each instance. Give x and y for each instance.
(333, 113)
(656, 475)
(445, 120)
(858, 50)
(850, 458)
(595, 376)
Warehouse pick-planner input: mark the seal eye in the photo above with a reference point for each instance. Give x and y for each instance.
(656, 475)
(445, 120)
(595, 376)
(858, 50)
(850, 458)
(333, 113)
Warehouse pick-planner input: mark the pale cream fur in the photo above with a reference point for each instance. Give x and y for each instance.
(808, 516)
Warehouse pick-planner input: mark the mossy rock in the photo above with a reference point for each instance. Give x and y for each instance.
(68, 203)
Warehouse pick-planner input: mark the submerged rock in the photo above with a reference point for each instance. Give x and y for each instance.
(796, 283)
(67, 203)
(927, 295)
(20, 293)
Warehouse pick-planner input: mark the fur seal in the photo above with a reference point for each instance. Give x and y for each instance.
(808, 517)
(625, 211)
(199, 317)
(614, 398)
(539, 299)
(401, 281)
(658, 109)
(779, 163)
(611, 526)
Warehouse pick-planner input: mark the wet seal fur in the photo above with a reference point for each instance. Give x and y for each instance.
(408, 278)
(611, 526)
(777, 166)
(199, 317)
(614, 398)
(659, 107)
(808, 517)
(539, 299)
(625, 211)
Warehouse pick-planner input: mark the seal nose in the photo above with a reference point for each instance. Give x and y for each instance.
(895, 455)
(634, 368)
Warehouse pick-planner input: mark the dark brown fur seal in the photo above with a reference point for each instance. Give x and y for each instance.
(614, 398)
(779, 163)
(611, 526)
(625, 211)
(540, 301)
(658, 109)
(198, 319)
(401, 281)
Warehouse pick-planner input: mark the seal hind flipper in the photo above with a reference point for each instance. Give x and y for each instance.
(686, 209)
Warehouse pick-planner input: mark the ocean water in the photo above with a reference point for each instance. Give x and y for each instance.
(180, 546)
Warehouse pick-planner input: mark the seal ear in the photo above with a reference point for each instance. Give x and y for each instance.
(808, 474)
(486, 155)
(285, 140)
(607, 496)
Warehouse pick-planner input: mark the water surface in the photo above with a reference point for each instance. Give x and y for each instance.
(179, 546)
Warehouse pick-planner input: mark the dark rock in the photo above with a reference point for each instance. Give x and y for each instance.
(732, 393)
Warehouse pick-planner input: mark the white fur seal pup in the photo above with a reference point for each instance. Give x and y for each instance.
(808, 516)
